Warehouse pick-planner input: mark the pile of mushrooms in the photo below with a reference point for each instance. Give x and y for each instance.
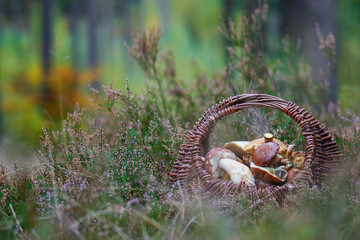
(262, 162)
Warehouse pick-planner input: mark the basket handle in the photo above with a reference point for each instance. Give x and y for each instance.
(321, 152)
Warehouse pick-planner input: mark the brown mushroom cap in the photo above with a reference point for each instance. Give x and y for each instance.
(292, 174)
(212, 153)
(237, 147)
(226, 153)
(265, 154)
(215, 152)
(255, 144)
(269, 175)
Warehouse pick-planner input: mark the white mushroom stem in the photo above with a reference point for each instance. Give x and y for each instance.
(213, 157)
(289, 151)
(238, 172)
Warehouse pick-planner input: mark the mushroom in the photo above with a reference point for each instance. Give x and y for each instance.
(292, 174)
(265, 154)
(226, 177)
(212, 158)
(218, 159)
(247, 159)
(277, 160)
(289, 151)
(298, 159)
(288, 165)
(268, 137)
(284, 161)
(269, 175)
(237, 147)
(238, 172)
(255, 144)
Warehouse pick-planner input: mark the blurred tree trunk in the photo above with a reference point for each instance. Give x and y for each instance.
(73, 25)
(299, 19)
(164, 14)
(227, 7)
(92, 27)
(1, 109)
(227, 15)
(106, 29)
(15, 9)
(46, 44)
(2, 18)
(2, 12)
(124, 13)
(27, 13)
(123, 9)
(110, 9)
(46, 34)
(251, 5)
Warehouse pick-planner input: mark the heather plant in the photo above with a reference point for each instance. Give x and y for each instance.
(104, 173)
(250, 69)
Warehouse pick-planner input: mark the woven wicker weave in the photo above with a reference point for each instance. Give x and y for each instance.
(321, 154)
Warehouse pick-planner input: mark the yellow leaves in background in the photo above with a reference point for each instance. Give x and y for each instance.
(57, 94)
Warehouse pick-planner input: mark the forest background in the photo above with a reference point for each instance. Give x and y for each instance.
(52, 50)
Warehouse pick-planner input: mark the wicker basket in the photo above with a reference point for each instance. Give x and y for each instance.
(321, 154)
